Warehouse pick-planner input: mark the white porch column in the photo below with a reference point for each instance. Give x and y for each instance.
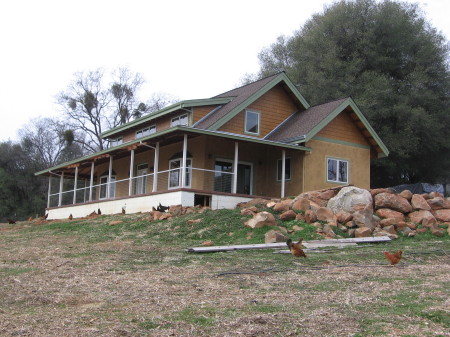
(155, 168)
(75, 183)
(130, 182)
(91, 184)
(235, 167)
(283, 172)
(49, 190)
(61, 182)
(108, 185)
(183, 164)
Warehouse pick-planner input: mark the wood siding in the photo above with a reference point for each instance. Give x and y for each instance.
(343, 128)
(274, 107)
(200, 112)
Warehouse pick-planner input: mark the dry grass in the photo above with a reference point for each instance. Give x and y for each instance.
(126, 283)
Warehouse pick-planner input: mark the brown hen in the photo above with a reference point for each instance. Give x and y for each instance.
(393, 258)
(296, 248)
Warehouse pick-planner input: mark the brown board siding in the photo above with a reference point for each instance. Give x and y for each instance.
(343, 128)
(200, 112)
(274, 107)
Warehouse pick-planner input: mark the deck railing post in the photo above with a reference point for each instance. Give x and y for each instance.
(108, 186)
(91, 184)
(61, 185)
(130, 184)
(235, 167)
(49, 190)
(75, 183)
(155, 168)
(183, 164)
(283, 172)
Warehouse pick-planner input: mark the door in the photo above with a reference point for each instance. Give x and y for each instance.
(223, 177)
(141, 178)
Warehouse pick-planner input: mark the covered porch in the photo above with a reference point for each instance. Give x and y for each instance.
(184, 166)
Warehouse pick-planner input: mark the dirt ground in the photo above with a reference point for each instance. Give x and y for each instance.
(62, 285)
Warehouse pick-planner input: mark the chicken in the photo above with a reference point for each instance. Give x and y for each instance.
(30, 219)
(162, 208)
(123, 210)
(70, 216)
(99, 212)
(11, 221)
(296, 248)
(393, 258)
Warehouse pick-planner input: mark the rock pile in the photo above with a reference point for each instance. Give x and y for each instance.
(358, 212)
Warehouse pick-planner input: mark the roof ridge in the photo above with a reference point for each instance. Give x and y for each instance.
(251, 83)
(334, 100)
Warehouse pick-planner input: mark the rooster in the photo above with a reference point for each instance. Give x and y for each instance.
(393, 258)
(296, 248)
(162, 208)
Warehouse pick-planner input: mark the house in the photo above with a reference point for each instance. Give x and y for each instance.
(261, 139)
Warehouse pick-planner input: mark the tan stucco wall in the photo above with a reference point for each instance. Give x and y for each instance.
(315, 164)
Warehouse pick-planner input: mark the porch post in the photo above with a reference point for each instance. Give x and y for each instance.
(108, 185)
(283, 171)
(75, 183)
(49, 190)
(130, 183)
(155, 168)
(61, 182)
(235, 167)
(183, 164)
(91, 184)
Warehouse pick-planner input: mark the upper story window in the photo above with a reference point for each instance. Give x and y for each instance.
(287, 169)
(115, 142)
(146, 131)
(337, 170)
(252, 122)
(179, 120)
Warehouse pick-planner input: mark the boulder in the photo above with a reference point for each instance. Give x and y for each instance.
(365, 218)
(439, 203)
(310, 216)
(389, 213)
(437, 231)
(418, 202)
(376, 191)
(363, 232)
(300, 217)
(176, 210)
(165, 216)
(274, 236)
(253, 202)
(350, 199)
(421, 216)
(318, 197)
(194, 221)
(390, 229)
(343, 216)
(325, 214)
(288, 215)
(328, 231)
(296, 228)
(392, 201)
(407, 194)
(389, 222)
(249, 211)
(301, 204)
(281, 207)
(207, 243)
(435, 195)
(442, 215)
(261, 219)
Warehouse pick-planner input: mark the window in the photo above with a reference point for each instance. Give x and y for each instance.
(179, 120)
(146, 131)
(104, 186)
(115, 142)
(223, 177)
(337, 170)
(141, 178)
(287, 169)
(252, 122)
(175, 173)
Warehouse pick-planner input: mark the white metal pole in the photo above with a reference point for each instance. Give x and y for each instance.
(235, 166)
(130, 184)
(75, 183)
(61, 183)
(283, 172)
(49, 190)
(108, 186)
(91, 184)
(155, 168)
(183, 164)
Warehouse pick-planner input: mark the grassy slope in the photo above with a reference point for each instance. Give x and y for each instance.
(76, 272)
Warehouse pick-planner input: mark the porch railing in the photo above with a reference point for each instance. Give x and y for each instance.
(196, 178)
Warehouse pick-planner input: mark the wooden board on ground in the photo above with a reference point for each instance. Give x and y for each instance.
(321, 243)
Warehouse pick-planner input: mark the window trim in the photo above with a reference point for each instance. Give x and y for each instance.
(258, 123)
(178, 118)
(146, 131)
(337, 181)
(188, 172)
(290, 169)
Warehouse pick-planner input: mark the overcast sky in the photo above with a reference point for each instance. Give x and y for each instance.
(187, 49)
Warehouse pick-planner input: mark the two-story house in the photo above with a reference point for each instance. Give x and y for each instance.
(261, 139)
